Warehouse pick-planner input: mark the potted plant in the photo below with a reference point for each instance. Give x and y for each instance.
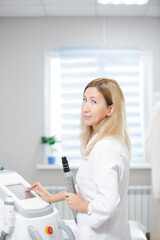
(51, 141)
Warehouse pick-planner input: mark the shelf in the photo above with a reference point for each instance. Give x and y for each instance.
(54, 167)
(134, 166)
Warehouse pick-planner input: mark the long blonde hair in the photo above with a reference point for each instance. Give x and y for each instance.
(114, 125)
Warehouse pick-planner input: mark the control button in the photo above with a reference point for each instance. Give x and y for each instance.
(49, 230)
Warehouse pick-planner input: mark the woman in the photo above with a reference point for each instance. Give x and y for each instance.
(102, 179)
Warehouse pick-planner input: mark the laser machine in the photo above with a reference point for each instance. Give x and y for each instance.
(24, 215)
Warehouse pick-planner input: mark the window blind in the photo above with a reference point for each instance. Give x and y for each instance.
(78, 66)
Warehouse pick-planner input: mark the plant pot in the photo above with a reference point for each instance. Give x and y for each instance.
(51, 160)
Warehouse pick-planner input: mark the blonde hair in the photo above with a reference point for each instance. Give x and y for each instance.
(114, 125)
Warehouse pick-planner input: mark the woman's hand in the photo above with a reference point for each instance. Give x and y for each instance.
(77, 203)
(41, 191)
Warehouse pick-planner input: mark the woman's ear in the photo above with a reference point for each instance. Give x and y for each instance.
(111, 110)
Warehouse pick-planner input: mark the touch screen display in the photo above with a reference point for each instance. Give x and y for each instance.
(20, 191)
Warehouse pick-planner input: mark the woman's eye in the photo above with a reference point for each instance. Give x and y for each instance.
(93, 101)
(84, 100)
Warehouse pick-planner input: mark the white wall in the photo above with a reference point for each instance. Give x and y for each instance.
(23, 42)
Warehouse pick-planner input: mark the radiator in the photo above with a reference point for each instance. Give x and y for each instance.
(138, 204)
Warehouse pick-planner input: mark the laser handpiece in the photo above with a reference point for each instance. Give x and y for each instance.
(69, 182)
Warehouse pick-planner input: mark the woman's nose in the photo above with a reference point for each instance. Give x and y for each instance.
(86, 107)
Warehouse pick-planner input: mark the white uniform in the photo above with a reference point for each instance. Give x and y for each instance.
(102, 179)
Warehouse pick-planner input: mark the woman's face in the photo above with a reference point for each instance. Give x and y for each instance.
(94, 107)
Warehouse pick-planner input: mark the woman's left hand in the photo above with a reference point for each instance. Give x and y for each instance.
(77, 203)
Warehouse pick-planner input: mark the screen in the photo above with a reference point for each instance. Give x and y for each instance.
(20, 191)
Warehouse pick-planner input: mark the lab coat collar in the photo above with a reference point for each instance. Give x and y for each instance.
(93, 137)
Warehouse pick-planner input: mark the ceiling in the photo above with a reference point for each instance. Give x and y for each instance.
(51, 8)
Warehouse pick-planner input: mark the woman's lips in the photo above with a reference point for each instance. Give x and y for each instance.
(87, 117)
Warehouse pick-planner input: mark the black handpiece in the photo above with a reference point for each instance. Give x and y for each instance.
(69, 182)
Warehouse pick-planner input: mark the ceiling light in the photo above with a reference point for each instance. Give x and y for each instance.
(123, 2)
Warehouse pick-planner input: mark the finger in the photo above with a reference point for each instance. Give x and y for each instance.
(67, 194)
(31, 188)
(70, 194)
(38, 192)
(37, 184)
(67, 198)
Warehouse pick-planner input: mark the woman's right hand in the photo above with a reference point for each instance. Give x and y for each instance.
(41, 191)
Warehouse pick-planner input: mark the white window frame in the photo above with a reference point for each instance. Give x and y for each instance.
(48, 97)
(146, 97)
(146, 63)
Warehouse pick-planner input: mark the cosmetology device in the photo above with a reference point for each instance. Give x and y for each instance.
(69, 182)
(24, 215)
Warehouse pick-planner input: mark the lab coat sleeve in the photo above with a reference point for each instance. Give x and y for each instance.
(76, 187)
(107, 169)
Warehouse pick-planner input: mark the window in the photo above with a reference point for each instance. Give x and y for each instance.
(67, 73)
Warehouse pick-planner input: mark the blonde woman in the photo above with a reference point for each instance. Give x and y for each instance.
(102, 179)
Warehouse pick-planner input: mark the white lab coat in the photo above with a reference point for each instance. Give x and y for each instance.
(102, 179)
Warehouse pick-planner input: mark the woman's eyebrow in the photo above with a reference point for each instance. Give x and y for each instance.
(90, 97)
(93, 97)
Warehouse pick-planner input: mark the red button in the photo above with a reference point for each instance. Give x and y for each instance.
(49, 230)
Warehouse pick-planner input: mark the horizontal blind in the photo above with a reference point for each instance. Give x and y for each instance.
(78, 66)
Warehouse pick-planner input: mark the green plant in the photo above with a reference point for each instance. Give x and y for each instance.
(51, 141)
